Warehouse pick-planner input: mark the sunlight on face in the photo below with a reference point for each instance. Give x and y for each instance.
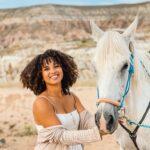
(52, 72)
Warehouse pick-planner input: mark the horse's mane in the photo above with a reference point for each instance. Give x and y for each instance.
(141, 75)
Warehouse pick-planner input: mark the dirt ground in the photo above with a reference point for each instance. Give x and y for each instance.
(17, 129)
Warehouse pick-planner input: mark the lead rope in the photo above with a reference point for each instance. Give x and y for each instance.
(133, 134)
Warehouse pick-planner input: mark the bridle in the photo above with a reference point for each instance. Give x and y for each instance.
(130, 73)
(133, 134)
(120, 104)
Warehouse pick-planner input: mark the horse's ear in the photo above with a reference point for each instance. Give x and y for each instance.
(129, 32)
(96, 31)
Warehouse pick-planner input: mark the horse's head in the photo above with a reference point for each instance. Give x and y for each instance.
(111, 62)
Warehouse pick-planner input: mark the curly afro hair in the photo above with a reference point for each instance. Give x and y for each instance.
(31, 76)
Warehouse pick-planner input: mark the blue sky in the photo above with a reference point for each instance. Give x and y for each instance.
(23, 3)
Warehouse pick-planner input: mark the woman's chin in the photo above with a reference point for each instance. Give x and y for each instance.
(54, 82)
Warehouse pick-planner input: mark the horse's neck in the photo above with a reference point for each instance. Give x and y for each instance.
(139, 95)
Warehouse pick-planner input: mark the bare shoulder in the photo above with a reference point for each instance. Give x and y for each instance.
(43, 112)
(74, 95)
(78, 104)
(41, 104)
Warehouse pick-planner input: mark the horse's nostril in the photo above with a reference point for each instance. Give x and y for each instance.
(110, 122)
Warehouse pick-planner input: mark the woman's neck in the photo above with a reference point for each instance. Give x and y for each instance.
(54, 91)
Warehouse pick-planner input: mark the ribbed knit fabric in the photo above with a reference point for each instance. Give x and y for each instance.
(59, 138)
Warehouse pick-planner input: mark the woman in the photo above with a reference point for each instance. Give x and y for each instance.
(62, 121)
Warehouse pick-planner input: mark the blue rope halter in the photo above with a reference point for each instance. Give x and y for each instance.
(145, 68)
(131, 71)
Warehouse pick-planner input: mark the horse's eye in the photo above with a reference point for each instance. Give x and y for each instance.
(124, 67)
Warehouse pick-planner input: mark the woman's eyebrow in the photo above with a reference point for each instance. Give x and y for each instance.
(45, 66)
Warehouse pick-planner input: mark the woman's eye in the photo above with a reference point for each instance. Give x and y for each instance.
(124, 67)
(46, 69)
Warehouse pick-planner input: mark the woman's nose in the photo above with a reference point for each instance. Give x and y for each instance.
(52, 70)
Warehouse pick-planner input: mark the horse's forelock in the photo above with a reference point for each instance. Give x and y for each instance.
(110, 46)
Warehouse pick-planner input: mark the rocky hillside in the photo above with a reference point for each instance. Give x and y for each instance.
(24, 32)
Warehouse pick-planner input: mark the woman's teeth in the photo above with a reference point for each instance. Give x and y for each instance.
(54, 77)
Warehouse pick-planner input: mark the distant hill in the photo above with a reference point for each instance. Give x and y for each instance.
(25, 32)
(22, 27)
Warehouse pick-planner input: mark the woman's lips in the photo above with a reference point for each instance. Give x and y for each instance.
(54, 77)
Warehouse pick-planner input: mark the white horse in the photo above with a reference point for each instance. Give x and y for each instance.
(112, 62)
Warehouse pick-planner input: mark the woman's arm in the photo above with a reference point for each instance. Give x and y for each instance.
(54, 131)
(44, 113)
(59, 135)
(87, 120)
(77, 103)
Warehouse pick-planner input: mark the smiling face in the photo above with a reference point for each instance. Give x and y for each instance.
(52, 72)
